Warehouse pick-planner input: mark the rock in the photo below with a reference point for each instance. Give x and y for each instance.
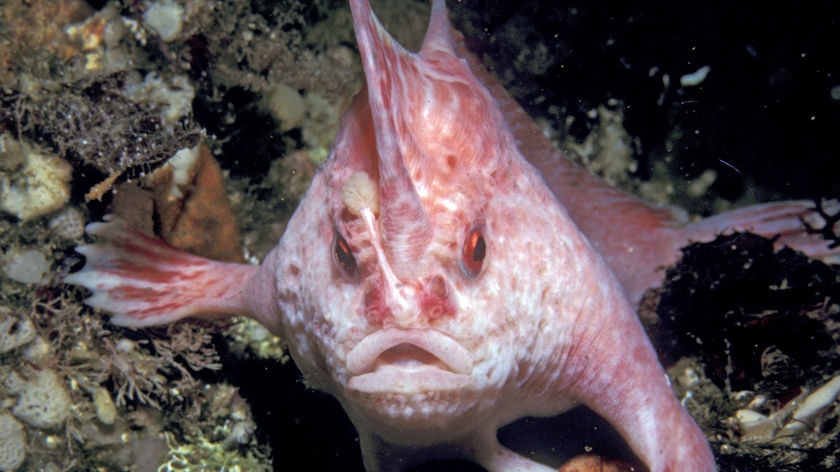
(165, 17)
(286, 106)
(12, 443)
(193, 208)
(106, 412)
(25, 266)
(43, 400)
(36, 184)
(15, 332)
(69, 223)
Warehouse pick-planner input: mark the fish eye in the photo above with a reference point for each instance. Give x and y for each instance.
(474, 252)
(343, 258)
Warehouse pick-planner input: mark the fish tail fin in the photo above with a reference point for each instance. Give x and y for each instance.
(143, 281)
(807, 226)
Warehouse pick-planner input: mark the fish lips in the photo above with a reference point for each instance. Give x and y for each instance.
(409, 362)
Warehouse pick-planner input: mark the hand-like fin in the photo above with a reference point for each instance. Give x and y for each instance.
(143, 281)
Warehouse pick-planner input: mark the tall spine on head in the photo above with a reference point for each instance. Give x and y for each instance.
(438, 34)
(388, 67)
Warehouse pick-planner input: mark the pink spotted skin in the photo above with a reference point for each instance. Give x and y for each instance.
(453, 291)
(639, 240)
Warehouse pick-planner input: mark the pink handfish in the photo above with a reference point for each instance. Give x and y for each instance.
(639, 240)
(435, 285)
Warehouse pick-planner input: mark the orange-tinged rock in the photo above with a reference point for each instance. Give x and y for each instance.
(193, 209)
(595, 463)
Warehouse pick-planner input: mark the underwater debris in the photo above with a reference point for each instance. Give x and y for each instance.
(786, 424)
(96, 122)
(761, 328)
(738, 295)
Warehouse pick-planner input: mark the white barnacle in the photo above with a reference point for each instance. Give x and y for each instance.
(360, 192)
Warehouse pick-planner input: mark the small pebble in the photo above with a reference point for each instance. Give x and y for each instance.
(69, 223)
(12, 443)
(27, 267)
(105, 409)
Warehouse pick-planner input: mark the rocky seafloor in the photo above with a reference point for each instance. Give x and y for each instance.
(709, 106)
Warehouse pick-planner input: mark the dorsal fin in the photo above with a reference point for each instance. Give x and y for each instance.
(405, 226)
(438, 34)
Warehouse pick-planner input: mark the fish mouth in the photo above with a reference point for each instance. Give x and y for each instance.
(408, 361)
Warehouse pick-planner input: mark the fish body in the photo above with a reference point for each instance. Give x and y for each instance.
(433, 282)
(638, 239)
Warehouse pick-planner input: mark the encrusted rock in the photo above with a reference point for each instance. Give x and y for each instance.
(12, 443)
(14, 332)
(38, 184)
(69, 223)
(193, 206)
(43, 401)
(27, 266)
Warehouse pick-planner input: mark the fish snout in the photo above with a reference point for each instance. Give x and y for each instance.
(409, 305)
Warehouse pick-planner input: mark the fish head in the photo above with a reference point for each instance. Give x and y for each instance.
(423, 305)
